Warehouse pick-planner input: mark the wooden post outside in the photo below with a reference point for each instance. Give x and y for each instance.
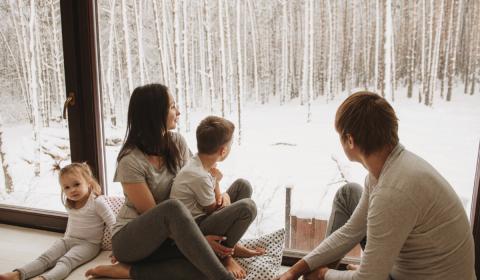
(288, 197)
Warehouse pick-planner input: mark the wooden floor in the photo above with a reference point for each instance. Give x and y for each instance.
(20, 245)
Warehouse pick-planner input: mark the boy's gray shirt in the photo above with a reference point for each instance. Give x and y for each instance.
(415, 225)
(134, 167)
(194, 187)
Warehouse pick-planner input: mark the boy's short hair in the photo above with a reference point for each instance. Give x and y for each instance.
(369, 119)
(212, 133)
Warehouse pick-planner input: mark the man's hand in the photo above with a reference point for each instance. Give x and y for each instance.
(317, 274)
(219, 249)
(286, 276)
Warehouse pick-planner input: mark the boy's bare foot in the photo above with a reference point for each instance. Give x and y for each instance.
(240, 251)
(232, 266)
(118, 270)
(352, 266)
(14, 275)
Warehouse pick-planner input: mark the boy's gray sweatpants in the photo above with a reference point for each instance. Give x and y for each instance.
(233, 220)
(63, 256)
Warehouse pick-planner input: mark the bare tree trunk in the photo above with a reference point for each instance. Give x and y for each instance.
(240, 74)
(126, 37)
(284, 67)
(203, 67)
(306, 45)
(110, 86)
(330, 78)
(310, 50)
(436, 55)
(139, 23)
(453, 54)
(229, 58)
(57, 54)
(411, 52)
(389, 57)
(9, 188)
(186, 66)
(209, 54)
(34, 89)
(377, 45)
(254, 49)
(158, 32)
(222, 57)
(178, 58)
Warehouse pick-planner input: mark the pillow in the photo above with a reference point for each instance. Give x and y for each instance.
(114, 203)
(264, 267)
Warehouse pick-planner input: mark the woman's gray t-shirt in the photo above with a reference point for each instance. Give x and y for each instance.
(134, 167)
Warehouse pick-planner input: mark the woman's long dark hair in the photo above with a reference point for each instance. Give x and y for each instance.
(147, 126)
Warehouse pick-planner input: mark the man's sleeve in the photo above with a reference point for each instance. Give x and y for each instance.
(391, 218)
(342, 240)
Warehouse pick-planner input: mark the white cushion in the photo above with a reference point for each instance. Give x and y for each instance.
(115, 203)
(267, 266)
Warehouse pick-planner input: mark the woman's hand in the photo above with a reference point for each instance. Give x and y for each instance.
(219, 249)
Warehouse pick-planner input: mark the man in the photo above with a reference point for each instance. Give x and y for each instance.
(414, 222)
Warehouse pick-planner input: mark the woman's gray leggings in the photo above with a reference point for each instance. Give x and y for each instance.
(166, 243)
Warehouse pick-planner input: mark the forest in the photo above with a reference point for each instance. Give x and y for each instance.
(217, 55)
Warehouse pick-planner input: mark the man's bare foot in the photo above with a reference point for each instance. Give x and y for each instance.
(232, 266)
(14, 275)
(118, 270)
(240, 251)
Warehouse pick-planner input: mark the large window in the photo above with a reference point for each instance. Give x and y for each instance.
(48, 105)
(34, 136)
(280, 69)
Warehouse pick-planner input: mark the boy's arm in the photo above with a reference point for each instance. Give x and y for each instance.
(218, 200)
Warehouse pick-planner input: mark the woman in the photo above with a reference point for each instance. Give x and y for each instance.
(153, 235)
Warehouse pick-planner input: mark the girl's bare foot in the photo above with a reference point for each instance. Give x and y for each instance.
(241, 251)
(14, 275)
(232, 266)
(118, 270)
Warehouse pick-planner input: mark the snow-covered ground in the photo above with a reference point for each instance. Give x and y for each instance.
(279, 148)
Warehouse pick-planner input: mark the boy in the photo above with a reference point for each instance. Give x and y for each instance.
(197, 186)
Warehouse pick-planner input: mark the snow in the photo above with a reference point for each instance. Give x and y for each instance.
(279, 148)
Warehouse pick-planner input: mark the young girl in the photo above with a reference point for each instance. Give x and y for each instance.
(87, 216)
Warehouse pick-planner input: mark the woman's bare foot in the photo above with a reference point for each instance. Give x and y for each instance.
(14, 275)
(232, 266)
(118, 270)
(241, 251)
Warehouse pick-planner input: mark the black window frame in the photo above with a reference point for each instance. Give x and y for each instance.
(84, 121)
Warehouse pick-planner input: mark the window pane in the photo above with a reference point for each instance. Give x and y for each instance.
(33, 135)
(279, 70)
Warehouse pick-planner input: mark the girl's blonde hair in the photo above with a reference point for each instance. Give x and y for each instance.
(84, 170)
